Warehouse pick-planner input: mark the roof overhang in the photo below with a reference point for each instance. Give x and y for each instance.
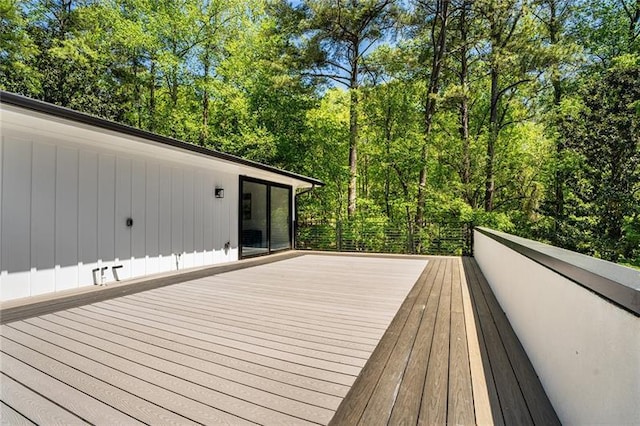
(42, 110)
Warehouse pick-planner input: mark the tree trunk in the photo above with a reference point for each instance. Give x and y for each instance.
(204, 130)
(439, 27)
(387, 177)
(465, 172)
(558, 204)
(152, 97)
(353, 138)
(489, 193)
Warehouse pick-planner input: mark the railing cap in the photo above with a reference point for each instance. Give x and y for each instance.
(616, 283)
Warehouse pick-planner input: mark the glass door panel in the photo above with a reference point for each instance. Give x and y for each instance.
(280, 218)
(254, 219)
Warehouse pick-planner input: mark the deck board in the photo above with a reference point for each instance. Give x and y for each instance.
(128, 403)
(279, 343)
(407, 406)
(428, 370)
(351, 409)
(538, 403)
(312, 339)
(10, 417)
(82, 405)
(35, 407)
(460, 408)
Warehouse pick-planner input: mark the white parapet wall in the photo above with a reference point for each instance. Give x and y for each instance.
(584, 345)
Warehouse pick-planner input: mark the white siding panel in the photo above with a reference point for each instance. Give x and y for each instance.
(231, 222)
(188, 220)
(106, 208)
(87, 217)
(198, 224)
(164, 220)
(66, 218)
(151, 225)
(208, 215)
(224, 234)
(218, 203)
(64, 205)
(43, 205)
(177, 209)
(138, 213)
(16, 224)
(2, 273)
(123, 212)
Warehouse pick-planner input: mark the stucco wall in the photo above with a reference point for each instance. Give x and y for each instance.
(585, 350)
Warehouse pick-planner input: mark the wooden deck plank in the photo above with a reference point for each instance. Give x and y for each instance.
(352, 407)
(512, 404)
(126, 402)
(285, 334)
(274, 312)
(278, 344)
(383, 398)
(193, 411)
(181, 380)
(267, 393)
(259, 346)
(407, 405)
(291, 327)
(10, 417)
(455, 361)
(277, 371)
(332, 347)
(487, 373)
(321, 306)
(205, 364)
(479, 383)
(433, 409)
(82, 405)
(460, 409)
(35, 407)
(197, 340)
(540, 408)
(282, 345)
(15, 310)
(340, 303)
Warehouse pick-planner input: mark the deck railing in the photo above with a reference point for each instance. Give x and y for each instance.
(377, 236)
(578, 319)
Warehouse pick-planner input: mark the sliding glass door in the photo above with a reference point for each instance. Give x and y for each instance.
(265, 217)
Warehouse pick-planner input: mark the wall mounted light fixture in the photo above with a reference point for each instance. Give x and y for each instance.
(219, 192)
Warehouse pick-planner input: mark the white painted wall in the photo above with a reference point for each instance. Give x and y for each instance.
(66, 191)
(65, 209)
(585, 350)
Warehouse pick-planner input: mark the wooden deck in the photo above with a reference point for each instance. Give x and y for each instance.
(449, 357)
(274, 344)
(281, 343)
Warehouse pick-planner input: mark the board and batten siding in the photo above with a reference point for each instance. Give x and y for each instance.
(64, 207)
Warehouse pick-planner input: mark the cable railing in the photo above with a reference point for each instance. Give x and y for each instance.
(378, 236)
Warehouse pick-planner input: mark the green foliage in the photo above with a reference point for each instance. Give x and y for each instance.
(605, 186)
(538, 98)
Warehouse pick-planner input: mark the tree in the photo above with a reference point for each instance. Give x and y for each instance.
(555, 18)
(436, 17)
(605, 136)
(341, 34)
(508, 61)
(17, 52)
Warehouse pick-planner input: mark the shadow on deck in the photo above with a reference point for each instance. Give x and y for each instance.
(450, 356)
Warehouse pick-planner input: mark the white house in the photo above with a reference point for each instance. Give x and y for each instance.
(86, 201)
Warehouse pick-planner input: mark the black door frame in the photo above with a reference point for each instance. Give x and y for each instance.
(269, 185)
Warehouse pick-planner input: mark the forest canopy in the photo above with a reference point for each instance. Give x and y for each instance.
(521, 115)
